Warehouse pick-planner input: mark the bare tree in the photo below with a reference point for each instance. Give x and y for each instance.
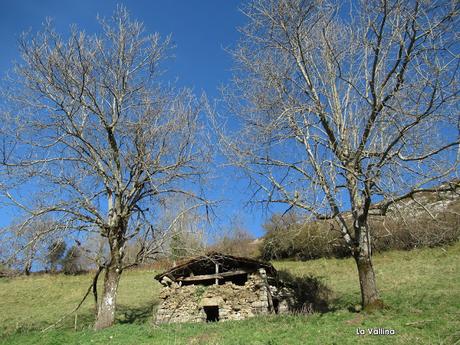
(94, 131)
(234, 238)
(28, 244)
(177, 233)
(344, 106)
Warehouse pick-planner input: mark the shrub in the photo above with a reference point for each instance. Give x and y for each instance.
(238, 242)
(405, 228)
(293, 239)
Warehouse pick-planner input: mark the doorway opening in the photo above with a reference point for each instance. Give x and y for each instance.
(212, 313)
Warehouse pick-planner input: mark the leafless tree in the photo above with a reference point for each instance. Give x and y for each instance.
(186, 227)
(25, 245)
(344, 106)
(97, 133)
(235, 239)
(178, 233)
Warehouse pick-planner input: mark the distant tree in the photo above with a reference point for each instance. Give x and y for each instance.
(101, 137)
(25, 244)
(30, 254)
(71, 262)
(236, 240)
(346, 104)
(56, 251)
(178, 246)
(33, 239)
(187, 236)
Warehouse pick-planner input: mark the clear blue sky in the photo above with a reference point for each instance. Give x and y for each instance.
(200, 29)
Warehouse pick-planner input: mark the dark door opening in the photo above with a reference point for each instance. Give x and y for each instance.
(212, 313)
(276, 304)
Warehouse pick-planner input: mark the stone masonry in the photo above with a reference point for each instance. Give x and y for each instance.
(234, 302)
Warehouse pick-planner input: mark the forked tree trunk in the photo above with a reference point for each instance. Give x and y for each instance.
(106, 311)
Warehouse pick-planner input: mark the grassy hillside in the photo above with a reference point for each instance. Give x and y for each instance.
(420, 287)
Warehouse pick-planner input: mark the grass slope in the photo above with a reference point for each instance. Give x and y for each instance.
(420, 287)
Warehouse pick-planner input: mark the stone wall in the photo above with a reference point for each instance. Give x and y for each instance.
(235, 302)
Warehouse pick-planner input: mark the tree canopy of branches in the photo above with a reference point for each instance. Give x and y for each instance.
(346, 107)
(96, 133)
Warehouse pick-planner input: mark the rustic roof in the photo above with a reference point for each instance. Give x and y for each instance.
(205, 264)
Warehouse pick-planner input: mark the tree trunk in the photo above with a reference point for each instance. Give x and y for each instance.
(116, 238)
(370, 298)
(27, 268)
(29, 260)
(106, 311)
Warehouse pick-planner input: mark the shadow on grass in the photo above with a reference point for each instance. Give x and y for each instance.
(85, 320)
(310, 293)
(138, 315)
(125, 314)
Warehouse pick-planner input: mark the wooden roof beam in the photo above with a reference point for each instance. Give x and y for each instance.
(213, 276)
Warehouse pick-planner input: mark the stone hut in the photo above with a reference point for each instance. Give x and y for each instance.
(218, 287)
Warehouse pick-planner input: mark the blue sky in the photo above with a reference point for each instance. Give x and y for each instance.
(201, 30)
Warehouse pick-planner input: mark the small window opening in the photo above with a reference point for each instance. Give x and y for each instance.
(212, 313)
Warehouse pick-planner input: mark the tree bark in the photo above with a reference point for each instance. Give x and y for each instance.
(30, 259)
(106, 311)
(370, 298)
(27, 268)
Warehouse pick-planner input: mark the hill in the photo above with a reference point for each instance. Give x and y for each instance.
(420, 288)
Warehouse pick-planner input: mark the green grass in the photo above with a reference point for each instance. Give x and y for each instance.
(421, 289)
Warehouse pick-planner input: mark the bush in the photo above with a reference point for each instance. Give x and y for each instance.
(423, 231)
(238, 242)
(4, 271)
(290, 238)
(404, 229)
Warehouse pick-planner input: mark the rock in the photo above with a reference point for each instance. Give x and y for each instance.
(213, 301)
